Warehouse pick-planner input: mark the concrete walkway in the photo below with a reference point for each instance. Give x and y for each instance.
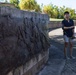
(57, 65)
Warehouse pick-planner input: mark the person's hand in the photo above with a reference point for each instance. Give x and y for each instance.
(71, 27)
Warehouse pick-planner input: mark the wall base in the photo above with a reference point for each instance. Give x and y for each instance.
(33, 66)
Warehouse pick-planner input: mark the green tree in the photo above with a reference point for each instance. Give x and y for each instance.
(51, 10)
(55, 11)
(48, 9)
(15, 2)
(29, 5)
(61, 12)
(63, 9)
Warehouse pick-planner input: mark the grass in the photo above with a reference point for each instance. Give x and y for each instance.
(53, 19)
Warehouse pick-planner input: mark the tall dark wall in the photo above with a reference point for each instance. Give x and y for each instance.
(23, 35)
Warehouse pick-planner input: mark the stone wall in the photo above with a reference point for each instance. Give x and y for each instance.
(23, 36)
(56, 24)
(33, 66)
(7, 4)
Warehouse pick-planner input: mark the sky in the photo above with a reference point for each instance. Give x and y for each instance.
(67, 3)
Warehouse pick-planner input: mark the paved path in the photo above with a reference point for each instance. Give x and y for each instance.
(56, 64)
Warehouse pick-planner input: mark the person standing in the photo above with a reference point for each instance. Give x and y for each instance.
(68, 33)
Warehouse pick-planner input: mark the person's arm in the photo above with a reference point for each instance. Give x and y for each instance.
(73, 28)
(68, 27)
(64, 27)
